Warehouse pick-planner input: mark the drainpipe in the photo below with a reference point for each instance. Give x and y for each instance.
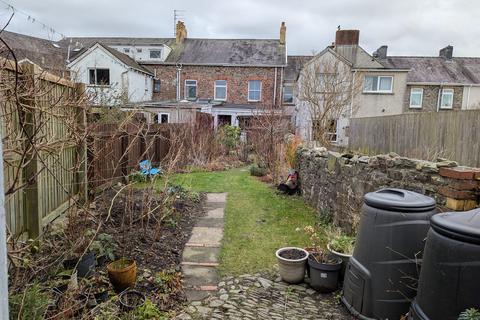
(351, 99)
(275, 89)
(179, 68)
(3, 247)
(468, 97)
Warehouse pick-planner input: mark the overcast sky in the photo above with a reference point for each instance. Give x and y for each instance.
(408, 27)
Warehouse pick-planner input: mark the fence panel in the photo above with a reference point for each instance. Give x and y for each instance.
(42, 159)
(451, 134)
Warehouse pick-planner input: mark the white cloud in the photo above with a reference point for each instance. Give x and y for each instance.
(409, 27)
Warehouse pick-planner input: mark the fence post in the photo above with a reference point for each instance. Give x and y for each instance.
(33, 216)
(82, 172)
(3, 246)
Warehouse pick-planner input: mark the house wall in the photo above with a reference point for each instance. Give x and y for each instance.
(122, 79)
(381, 104)
(176, 115)
(144, 55)
(430, 98)
(237, 83)
(471, 98)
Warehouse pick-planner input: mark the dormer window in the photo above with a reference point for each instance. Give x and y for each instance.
(156, 54)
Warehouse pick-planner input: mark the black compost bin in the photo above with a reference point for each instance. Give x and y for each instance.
(382, 274)
(450, 276)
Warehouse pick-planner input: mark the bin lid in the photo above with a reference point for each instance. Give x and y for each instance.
(399, 200)
(463, 226)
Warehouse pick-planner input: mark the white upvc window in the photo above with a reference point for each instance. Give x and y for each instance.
(155, 54)
(288, 93)
(163, 118)
(446, 101)
(220, 90)
(416, 98)
(254, 90)
(190, 89)
(378, 84)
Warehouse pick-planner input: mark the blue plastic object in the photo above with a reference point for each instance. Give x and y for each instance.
(146, 168)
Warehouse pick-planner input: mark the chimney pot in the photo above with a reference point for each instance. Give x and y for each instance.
(347, 37)
(283, 33)
(446, 52)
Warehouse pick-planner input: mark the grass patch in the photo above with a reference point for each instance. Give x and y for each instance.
(258, 221)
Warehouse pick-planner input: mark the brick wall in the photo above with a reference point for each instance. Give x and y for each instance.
(237, 82)
(430, 98)
(335, 183)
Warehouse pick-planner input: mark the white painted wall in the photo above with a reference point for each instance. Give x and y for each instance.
(125, 82)
(471, 97)
(142, 53)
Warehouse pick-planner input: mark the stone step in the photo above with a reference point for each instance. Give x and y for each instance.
(201, 254)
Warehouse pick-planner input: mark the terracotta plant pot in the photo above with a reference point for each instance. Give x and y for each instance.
(122, 274)
(292, 270)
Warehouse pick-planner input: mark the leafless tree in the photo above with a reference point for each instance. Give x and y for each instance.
(326, 91)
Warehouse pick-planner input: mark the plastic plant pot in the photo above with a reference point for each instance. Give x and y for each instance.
(292, 270)
(344, 257)
(86, 265)
(131, 299)
(324, 276)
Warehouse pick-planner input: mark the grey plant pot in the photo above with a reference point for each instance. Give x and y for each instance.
(292, 271)
(344, 257)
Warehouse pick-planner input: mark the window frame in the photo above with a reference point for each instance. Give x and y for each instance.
(377, 90)
(185, 89)
(96, 84)
(159, 117)
(220, 86)
(251, 90)
(155, 81)
(154, 50)
(126, 50)
(283, 94)
(419, 90)
(450, 92)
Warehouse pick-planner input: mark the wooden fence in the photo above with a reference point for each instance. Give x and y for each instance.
(115, 149)
(44, 166)
(453, 134)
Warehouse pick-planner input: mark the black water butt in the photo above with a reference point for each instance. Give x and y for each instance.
(450, 276)
(382, 274)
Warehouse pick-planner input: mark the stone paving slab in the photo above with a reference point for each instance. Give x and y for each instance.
(206, 235)
(217, 197)
(217, 213)
(201, 254)
(197, 276)
(210, 222)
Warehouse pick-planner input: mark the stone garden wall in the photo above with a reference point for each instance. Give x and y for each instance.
(335, 183)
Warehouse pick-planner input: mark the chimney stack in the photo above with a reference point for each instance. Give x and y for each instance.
(283, 33)
(347, 37)
(446, 53)
(180, 32)
(381, 53)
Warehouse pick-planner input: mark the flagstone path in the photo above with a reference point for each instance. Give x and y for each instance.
(201, 253)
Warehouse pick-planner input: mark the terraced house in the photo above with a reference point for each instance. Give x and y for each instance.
(232, 79)
(388, 85)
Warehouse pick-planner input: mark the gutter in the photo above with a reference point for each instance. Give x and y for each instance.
(213, 64)
(449, 84)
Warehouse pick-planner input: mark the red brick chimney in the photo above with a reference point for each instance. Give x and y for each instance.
(347, 37)
(283, 33)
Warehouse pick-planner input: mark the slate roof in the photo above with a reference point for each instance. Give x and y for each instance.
(294, 65)
(119, 55)
(47, 54)
(437, 69)
(215, 52)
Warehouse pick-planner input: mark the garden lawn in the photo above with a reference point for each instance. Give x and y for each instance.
(258, 221)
